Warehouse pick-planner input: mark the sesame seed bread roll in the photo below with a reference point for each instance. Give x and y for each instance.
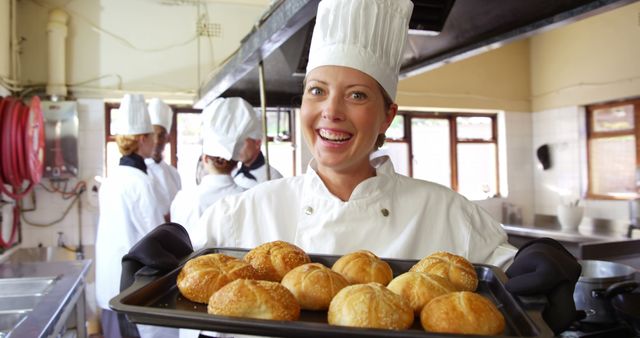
(363, 267)
(314, 285)
(459, 271)
(202, 276)
(420, 288)
(254, 299)
(370, 305)
(462, 312)
(274, 259)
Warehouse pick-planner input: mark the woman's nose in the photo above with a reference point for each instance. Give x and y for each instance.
(333, 109)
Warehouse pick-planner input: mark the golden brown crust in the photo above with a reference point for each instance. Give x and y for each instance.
(459, 271)
(202, 276)
(254, 299)
(314, 285)
(363, 267)
(462, 312)
(370, 305)
(273, 260)
(420, 288)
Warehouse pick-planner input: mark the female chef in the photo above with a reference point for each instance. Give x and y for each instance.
(347, 202)
(128, 205)
(225, 125)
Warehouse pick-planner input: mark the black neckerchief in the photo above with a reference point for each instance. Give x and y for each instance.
(246, 171)
(134, 160)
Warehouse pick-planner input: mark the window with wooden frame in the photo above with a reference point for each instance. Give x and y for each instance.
(456, 150)
(613, 143)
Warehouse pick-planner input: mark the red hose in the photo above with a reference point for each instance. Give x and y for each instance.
(22, 153)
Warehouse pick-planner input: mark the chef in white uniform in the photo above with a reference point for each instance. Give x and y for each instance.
(166, 176)
(128, 204)
(225, 125)
(345, 202)
(253, 168)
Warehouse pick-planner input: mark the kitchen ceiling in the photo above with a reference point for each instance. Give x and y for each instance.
(467, 28)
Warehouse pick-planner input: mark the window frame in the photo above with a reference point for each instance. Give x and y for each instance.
(453, 139)
(591, 134)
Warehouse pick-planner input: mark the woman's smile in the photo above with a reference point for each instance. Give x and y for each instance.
(334, 136)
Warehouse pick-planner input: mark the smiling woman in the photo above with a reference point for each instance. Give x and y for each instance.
(342, 114)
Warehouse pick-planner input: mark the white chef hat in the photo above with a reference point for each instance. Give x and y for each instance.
(227, 122)
(133, 116)
(160, 113)
(367, 35)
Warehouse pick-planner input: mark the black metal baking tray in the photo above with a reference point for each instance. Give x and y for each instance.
(159, 302)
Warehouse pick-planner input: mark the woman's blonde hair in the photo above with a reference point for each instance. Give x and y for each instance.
(127, 144)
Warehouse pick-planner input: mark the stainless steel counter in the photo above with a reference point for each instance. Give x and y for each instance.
(592, 240)
(63, 298)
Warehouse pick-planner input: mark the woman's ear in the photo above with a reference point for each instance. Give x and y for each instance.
(389, 116)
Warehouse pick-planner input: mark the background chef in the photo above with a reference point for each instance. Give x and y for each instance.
(225, 125)
(166, 176)
(253, 168)
(128, 207)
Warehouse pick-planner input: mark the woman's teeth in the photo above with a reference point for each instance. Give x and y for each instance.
(333, 136)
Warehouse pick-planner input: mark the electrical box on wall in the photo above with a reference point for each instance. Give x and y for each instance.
(61, 139)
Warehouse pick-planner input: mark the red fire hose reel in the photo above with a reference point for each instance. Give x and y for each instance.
(21, 152)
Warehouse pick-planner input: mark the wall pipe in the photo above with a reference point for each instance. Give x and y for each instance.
(57, 34)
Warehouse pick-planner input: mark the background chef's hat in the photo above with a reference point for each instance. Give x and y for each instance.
(133, 116)
(227, 122)
(160, 113)
(368, 35)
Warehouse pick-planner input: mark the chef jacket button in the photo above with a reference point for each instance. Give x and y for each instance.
(308, 210)
(385, 212)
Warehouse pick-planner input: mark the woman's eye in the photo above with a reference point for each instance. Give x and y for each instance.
(358, 95)
(314, 91)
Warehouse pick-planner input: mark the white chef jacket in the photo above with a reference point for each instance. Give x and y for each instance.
(189, 205)
(260, 174)
(167, 182)
(128, 211)
(393, 216)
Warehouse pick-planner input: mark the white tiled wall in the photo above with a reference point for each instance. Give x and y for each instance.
(564, 130)
(516, 136)
(50, 206)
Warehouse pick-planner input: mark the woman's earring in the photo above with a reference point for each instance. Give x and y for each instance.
(380, 140)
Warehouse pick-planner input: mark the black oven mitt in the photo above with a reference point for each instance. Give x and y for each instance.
(161, 249)
(544, 267)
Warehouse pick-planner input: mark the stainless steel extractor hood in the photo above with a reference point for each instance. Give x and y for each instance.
(466, 28)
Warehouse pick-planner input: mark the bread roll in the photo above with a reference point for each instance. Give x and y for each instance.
(459, 271)
(363, 267)
(462, 312)
(202, 276)
(254, 299)
(420, 288)
(370, 305)
(274, 259)
(314, 285)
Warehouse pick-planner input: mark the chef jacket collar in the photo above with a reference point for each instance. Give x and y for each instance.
(134, 160)
(222, 180)
(246, 171)
(368, 191)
